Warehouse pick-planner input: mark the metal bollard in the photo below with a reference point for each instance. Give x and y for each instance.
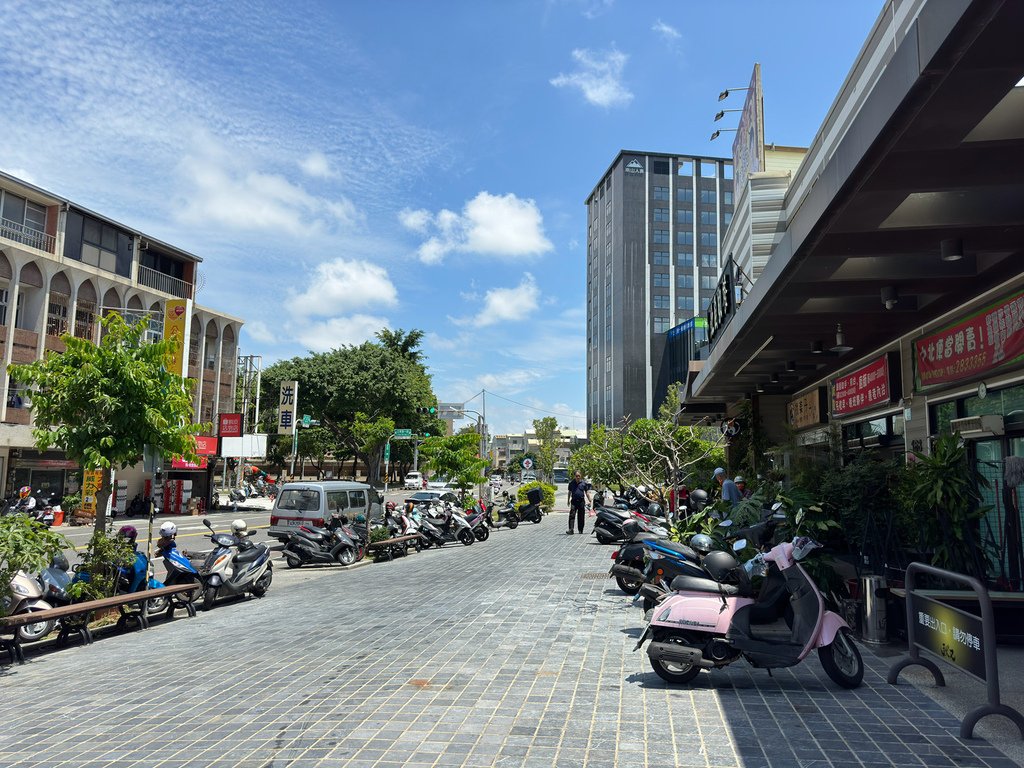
(874, 591)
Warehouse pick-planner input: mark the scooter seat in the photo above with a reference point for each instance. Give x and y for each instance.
(248, 555)
(681, 549)
(697, 584)
(644, 536)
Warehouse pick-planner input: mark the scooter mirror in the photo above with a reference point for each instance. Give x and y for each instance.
(739, 545)
(207, 523)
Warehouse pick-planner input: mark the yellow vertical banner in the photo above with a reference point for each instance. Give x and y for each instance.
(92, 479)
(177, 321)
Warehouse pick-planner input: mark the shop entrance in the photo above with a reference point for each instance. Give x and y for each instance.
(1001, 462)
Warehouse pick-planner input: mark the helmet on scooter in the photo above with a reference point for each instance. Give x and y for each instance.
(24, 492)
(719, 564)
(654, 510)
(128, 532)
(390, 506)
(238, 527)
(168, 530)
(702, 543)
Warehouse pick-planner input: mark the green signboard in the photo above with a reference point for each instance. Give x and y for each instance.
(951, 634)
(387, 451)
(403, 434)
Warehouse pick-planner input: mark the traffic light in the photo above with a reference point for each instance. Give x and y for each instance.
(429, 410)
(426, 434)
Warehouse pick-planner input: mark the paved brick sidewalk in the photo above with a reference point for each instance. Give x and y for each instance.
(513, 652)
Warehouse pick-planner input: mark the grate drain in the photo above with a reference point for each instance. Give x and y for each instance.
(594, 575)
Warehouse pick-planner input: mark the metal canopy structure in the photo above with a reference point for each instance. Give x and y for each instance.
(935, 152)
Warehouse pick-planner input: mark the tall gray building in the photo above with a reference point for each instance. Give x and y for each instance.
(654, 223)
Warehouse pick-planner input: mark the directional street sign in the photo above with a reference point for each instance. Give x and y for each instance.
(387, 452)
(403, 434)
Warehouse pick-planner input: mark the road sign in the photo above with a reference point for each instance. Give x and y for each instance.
(527, 463)
(305, 419)
(387, 452)
(403, 434)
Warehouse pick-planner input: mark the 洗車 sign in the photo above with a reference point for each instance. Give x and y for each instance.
(288, 405)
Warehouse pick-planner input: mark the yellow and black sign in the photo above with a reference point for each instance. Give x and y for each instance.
(951, 634)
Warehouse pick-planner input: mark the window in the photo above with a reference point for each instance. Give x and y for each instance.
(660, 279)
(660, 236)
(684, 237)
(684, 259)
(708, 169)
(4, 299)
(684, 216)
(684, 194)
(707, 196)
(684, 167)
(661, 214)
(727, 196)
(337, 501)
(684, 303)
(99, 244)
(708, 282)
(707, 218)
(727, 170)
(704, 304)
(684, 281)
(299, 500)
(709, 260)
(357, 499)
(659, 258)
(661, 325)
(660, 167)
(23, 221)
(709, 238)
(57, 314)
(661, 302)
(660, 193)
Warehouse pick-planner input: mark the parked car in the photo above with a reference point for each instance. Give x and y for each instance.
(529, 477)
(433, 495)
(413, 481)
(439, 483)
(312, 503)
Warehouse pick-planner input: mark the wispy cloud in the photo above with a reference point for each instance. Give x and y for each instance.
(598, 76)
(502, 226)
(340, 331)
(315, 164)
(665, 30)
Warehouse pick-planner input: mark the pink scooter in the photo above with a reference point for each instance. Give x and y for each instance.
(711, 622)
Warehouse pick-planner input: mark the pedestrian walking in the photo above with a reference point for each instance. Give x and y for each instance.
(579, 500)
(730, 492)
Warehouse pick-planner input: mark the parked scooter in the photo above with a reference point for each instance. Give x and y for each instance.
(629, 558)
(477, 517)
(55, 580)
(452, 528)
(711, 622)
(330, 544)
(506, 512)
(531, 512)
(27, 596)
(235, 566)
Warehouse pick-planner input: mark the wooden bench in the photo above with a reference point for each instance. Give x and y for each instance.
(74, 618)
(387, 544)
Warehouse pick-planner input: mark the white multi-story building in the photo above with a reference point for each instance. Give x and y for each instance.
(62, 267)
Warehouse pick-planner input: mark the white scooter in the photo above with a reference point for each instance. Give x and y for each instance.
(27, 596)
(234, 567)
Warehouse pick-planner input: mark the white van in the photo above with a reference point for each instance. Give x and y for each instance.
(413, 481)
(312, 503)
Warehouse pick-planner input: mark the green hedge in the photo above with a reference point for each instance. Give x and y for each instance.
(548, 503)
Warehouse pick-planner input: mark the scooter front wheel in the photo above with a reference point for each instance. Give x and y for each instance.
(29, 633)
(512, 523)
(157, 605)
(627, 586)
(259, 589)
(841, 660)
(465, 537)
(482, 534)
(292, 561)
(346, 556)
(209, 598)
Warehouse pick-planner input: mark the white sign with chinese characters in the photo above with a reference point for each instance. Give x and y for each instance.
(287, 407)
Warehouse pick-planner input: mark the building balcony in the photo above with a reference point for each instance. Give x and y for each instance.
(23, 235)
(159, 281)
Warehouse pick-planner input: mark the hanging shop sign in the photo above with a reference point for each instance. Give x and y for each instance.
(177, 322)
(206, 445)
(988, 339)
(808, 410)
(229, 425)
(288, 406)
(722, 306)
(179, 463)
(92, 480)
(877, 383)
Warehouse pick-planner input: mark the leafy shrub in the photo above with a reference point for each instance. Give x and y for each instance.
(547, 503)
(104, 555)
(25, 545)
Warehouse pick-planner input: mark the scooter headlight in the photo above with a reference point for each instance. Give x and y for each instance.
(19, 589)
(653, 554)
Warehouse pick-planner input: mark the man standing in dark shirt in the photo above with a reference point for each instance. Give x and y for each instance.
(579, 499)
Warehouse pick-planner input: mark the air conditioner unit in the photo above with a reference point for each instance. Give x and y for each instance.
(978, 426)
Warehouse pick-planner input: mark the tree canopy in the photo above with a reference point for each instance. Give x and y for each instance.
(457, 458)
(101, 404)
(548, 437)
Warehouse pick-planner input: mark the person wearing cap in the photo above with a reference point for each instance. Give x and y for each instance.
(730, 492)
(741, 485)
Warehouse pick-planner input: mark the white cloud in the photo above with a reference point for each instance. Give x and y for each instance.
(220, 188)
(417, 221)
(341, 286)
(599, 78)
(508, 304)
(315, 164)
(665, 30)
(504, 226)
(258, 330)
(340, 331)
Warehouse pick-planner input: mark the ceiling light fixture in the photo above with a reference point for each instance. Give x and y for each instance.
(841, 345)
(760, 388)
(890, 296)
(791, 366)
(818, 348)
(951, 250)
(775, 378)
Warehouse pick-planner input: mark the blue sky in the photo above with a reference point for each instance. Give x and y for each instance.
(343, 167)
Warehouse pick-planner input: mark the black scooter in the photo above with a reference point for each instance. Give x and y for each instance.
(336, 543)
(507, 515)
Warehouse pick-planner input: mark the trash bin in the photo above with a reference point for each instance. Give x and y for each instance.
(874, 592)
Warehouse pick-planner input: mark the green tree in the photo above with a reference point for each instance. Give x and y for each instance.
(315, 443)
(101, 404)
(370, 436)
(25, 545)
(548, 438)
(457, 458)
(404, 344)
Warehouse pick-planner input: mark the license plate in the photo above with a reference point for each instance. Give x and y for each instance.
(293, 522)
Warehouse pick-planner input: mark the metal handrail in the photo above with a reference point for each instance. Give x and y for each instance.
(33, 238)
(152, 278)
